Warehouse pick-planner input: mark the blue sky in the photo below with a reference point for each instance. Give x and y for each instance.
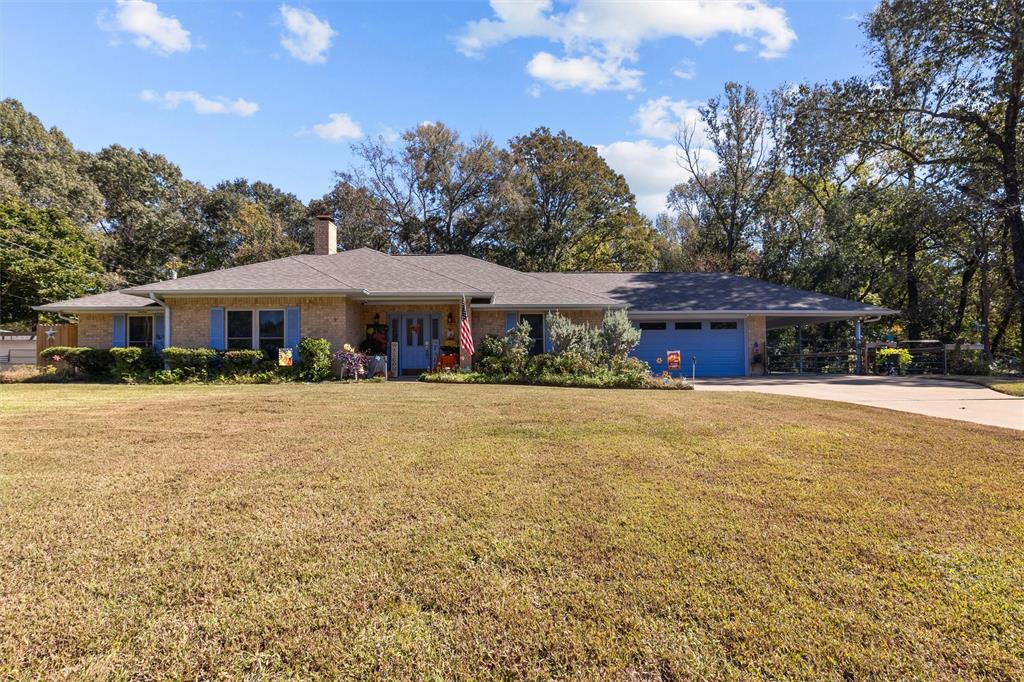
(279, 91)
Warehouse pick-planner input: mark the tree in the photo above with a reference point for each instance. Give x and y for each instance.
(152, 215)
(283, 206)
(433, 196)
(44, 257)
(971, 52)
(260, 236)
(359, 215)
(42, 168)
(726, 199)
(563, 208)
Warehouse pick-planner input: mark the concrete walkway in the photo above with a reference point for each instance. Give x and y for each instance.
(932, 397)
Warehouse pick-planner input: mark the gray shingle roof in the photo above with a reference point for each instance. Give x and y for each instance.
(510, 287)
(111, 300)
(370, 273)
(705, 292)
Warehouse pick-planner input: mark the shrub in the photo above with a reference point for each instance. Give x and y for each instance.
(192, 362)
(95, 362)
(314, 359)
(618, 334)
(245, 361)
(133, 362)
(491, 347)
(633, 371)
(569, 363)
(568, 337)
(518, 338)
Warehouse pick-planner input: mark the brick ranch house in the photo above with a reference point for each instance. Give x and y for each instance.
(411, 304)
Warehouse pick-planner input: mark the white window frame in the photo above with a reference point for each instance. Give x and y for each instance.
(255, 331)
(128, 331)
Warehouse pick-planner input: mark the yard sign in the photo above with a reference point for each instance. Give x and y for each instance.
(675, 360)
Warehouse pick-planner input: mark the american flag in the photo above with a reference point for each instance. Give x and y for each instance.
(465, 331)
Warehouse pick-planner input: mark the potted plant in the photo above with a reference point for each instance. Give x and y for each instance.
(893, 361)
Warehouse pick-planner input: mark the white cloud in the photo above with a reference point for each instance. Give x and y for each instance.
(172, 99)
(584, 73)
(741, 47)
(609, 33)
(650, 169)
(534, 91)
(685, 70)
(151, 30)
(339, 127)
(307, 37)
(662, 118)
(390, 135)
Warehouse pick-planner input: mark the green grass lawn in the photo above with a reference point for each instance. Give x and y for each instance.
(436, 531)
(1003, 384)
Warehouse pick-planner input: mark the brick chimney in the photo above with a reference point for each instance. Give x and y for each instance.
(325, 236)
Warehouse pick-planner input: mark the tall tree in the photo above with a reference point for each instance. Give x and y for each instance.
(261, 235)
(564, 208)
(434, 195)
(44, 257)
(42, 168)
(972, 54)
(725, 197)
(151, 213)
(359, 215)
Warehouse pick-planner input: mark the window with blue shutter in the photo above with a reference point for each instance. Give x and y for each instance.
(158, 332)
(511, 320)
(217, 328)
(291, 330)
(119, 339)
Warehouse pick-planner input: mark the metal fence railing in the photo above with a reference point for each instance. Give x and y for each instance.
(927, 357)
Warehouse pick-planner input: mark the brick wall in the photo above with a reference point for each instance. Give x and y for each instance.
(321, 316)
(755, 331)
(95, 330)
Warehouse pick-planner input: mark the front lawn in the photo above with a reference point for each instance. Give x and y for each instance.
(437, 531)
(1003, 384)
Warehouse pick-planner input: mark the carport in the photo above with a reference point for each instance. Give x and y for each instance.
(718, 320)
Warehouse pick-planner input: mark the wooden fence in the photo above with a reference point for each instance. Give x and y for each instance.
(55, 335)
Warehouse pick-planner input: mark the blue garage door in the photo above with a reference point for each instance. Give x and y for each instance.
(717, 345)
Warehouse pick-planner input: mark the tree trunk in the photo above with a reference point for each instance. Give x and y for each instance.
(985, 305)
(913, 293)
(965, 290)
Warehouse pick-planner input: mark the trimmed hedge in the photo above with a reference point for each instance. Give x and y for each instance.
(246, 362)
(95, 362)
(191, 361)
(133, 362)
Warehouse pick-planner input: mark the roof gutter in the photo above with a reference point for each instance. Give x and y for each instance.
(146, 293)
(767, 313)
(549, 306)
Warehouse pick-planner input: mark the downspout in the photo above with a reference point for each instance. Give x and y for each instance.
(167, 322)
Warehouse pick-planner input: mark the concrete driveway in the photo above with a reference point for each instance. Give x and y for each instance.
(932, 397)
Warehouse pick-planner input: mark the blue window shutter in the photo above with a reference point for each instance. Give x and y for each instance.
(548, 346)
(511, 320)
(217, 329)
(120, 336)
(291, 330)
(158, 332)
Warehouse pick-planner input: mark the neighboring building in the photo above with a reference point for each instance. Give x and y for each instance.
(344, 296)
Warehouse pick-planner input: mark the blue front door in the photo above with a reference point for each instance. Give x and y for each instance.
(414, 342)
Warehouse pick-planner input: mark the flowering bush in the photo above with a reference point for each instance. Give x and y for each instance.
(352, 362)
